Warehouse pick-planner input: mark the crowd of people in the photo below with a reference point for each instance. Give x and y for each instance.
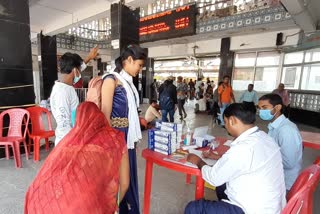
(93, 167)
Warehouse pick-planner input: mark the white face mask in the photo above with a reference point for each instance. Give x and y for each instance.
(83, 66)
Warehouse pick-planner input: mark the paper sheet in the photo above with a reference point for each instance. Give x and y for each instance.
(208, 161)
(227, 143)
(200, 131)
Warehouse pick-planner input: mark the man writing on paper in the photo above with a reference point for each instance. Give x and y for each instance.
(251, 169)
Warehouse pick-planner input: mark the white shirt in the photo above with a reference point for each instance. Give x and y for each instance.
(63, 100)
(152, 114)
(253, 172)
(202, 104)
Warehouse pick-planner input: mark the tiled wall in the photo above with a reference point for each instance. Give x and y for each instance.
(249, 19)
(80, 44)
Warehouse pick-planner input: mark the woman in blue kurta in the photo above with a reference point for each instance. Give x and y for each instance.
(120, 100)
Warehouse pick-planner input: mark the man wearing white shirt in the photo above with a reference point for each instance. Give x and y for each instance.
(251, 169)
(63, 98)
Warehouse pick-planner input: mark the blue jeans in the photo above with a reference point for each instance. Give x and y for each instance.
(212, 207)
(222, 108)
(165, 115)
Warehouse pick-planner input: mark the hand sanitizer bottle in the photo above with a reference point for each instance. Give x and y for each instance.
(187, 139)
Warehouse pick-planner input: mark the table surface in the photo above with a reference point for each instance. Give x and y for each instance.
(158, 158)
(310, 137)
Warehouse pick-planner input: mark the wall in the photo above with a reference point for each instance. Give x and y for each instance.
(16, 80)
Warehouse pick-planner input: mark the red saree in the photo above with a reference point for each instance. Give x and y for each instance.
(81, 175)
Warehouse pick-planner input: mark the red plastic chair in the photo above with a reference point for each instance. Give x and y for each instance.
(143, 123)
(38, 130)
(317, 161)
(300, 197)
(16, 133)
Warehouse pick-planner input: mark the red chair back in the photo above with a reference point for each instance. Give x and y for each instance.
(300, 197)
(143, 123)
(37, 119)
(17, 117)
(317, 161)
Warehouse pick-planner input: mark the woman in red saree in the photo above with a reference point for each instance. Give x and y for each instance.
(84, 172)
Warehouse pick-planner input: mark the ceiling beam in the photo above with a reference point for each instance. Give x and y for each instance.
(300, 14)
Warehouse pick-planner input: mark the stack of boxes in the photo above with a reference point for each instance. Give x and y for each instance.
(165, 138)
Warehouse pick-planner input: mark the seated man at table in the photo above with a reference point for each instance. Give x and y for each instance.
(251, 169)
(285, 133)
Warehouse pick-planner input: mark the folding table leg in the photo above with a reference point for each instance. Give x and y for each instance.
(147, 186)
(199, 188)
(188, 179)
(7, 152)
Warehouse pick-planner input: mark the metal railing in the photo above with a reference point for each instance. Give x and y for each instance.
(82, 94)
(306, 100)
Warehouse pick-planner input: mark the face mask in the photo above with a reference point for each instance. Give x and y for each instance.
(265, 114)
(76, 79)
(83, 66)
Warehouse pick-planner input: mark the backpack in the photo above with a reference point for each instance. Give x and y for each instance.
(166, 102)
(94, 91)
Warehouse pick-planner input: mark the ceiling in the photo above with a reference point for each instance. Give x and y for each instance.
(53, 17)
(314, 8)
(45, 12)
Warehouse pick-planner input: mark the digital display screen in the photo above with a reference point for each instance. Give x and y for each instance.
(168, 24)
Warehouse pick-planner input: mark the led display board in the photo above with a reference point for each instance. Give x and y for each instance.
(168, 24)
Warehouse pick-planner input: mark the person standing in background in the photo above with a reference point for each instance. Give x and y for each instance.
(283, 93)
(197, 86)
(225, 96)
(249, 97)
(182, 90)
(168, 99)
(192, 89)
(154, 90)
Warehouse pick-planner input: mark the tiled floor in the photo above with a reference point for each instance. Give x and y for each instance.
(170, 194)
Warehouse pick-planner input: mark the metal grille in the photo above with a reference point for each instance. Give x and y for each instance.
(307, 100)
(82, 94)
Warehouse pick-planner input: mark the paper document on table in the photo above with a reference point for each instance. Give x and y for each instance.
(227, 143)
(208, 161)
(200, 131)
(180, 159)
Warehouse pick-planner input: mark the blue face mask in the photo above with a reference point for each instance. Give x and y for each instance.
(265, 114)
(76, 79)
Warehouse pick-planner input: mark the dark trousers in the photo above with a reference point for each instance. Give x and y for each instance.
(213, 207)
(130, 202)
(165, 115)
(181, 103)
(251, 104)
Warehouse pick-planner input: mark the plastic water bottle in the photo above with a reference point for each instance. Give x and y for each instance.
(187, 139)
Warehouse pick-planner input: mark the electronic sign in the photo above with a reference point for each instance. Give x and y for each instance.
(168, 24)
